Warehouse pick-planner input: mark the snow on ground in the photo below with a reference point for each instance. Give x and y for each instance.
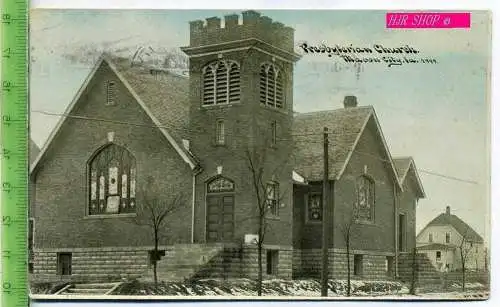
(274, 287)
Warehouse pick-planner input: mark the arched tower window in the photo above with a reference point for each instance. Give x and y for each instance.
(365, 204)
(221, 82)
(112, 181)
(271, 85)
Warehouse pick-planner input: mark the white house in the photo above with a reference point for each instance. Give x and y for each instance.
(447, 239)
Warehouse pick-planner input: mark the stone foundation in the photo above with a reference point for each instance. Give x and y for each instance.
(250, 262)
(92, 264)
(106, 264)
(373, 265)
(231, 262)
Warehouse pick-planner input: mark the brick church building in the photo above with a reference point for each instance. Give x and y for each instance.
(133, 131)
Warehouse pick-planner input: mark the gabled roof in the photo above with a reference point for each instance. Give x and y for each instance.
(445, 219)
(165, 102)
(405, 166)
(345, 127)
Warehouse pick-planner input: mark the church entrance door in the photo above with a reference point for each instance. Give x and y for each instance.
(220, 218)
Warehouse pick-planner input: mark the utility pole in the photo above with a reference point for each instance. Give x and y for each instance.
(325, 217)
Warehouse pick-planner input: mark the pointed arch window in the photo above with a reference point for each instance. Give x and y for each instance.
(365, 204)
(271, 85)
(112, 181)
(221, 82)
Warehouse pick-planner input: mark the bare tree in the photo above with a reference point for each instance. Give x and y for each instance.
(464, 249)
(264, 180)
(346, 227)
(153, 210)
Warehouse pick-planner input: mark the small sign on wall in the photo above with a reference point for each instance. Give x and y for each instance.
(251, 239)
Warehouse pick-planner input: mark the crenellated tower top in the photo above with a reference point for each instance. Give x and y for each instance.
(213, 31)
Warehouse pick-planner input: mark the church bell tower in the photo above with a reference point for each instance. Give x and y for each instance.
(241, 101)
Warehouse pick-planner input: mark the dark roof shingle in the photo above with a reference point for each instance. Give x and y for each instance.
(167, 95)
(344, 126)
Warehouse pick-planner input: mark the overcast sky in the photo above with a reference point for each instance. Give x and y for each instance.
(437, 113)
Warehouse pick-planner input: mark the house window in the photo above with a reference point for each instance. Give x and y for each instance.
(272, 257)
(64, 263)
(219, 132)
(112, 181)
(447, 237)
(358, 265)
(314, 207)
(271, 85)
(389, 265)
(365, 200)
(272, 198)
(221, 83)
(110, 93)
(273, 133)
(438, 256)
(430, 238)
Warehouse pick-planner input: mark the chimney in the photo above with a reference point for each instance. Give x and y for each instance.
(350, 102)
(447, 210)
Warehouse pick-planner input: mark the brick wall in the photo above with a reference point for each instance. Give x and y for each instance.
(61, 195)
(373, 236)
(407, 206)
(93, 264)
(247, 125)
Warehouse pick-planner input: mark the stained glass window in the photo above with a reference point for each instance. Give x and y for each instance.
(220, 184)
(112, 176)
(365, 199)
(315, 208)
(221, 82)
(272, 199)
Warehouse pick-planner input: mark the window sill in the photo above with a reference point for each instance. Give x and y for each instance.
(109, 216)
(219, 105)
(275, 109)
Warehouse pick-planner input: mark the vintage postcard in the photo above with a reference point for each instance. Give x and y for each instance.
(247, 154)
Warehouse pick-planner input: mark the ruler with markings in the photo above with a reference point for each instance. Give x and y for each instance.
(14, 152)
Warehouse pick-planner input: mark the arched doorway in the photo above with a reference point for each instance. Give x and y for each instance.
(220, 210)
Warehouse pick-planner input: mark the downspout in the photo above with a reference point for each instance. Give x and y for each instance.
(193, 201)
(396, 226)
